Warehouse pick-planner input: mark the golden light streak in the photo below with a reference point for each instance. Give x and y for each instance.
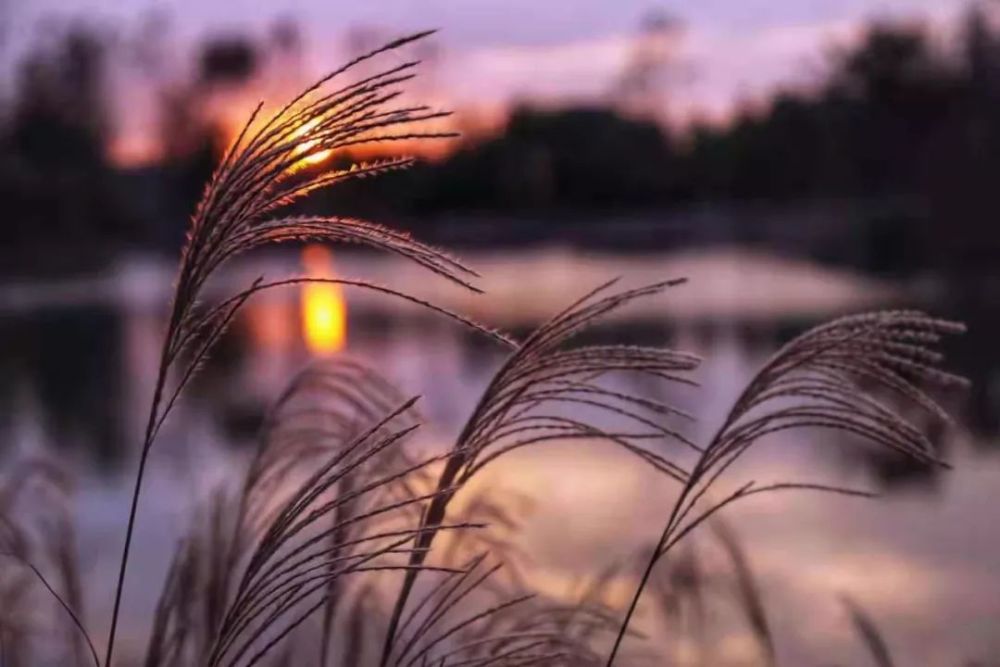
(324, 310)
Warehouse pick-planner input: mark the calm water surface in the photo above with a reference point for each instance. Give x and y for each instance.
(923, 560)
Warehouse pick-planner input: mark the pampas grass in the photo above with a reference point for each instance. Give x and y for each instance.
(328, 498)
(521, 408)
(336, 531)
(267, 168)
(831, 378)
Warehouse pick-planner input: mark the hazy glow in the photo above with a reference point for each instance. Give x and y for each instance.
(324, 311)
(272, 324)
(304, 148)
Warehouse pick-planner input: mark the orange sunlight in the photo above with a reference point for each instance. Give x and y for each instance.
(136, 147)
(304, 148)
(324, 311)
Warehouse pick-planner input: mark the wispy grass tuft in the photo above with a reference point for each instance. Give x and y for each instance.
(832, 378)
(526, 404)
(271, 164)
(333, 493)
(37, 533)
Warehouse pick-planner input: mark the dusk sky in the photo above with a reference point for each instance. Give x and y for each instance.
(495, 51)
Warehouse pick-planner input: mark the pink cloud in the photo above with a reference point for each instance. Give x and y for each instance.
(712, 68)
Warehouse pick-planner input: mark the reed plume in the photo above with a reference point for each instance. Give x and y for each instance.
(331, 494)
(288, 571)
(526, 402)
(270, 165)
(454, 624)
(324, 408)
(37, 533)
(831, 377)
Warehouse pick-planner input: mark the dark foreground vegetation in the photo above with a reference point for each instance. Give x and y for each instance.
(344, 546)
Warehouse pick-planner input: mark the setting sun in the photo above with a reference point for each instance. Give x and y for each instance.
(305, 148)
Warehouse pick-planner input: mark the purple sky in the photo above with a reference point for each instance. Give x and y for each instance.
(495, 50)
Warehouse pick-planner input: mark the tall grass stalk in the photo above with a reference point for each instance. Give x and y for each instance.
(265, 169)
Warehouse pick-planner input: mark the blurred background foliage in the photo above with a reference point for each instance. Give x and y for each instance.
(900, 127)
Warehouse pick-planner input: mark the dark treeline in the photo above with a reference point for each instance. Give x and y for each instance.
(891, 112)
(901, 126)
(899, 121)
(69, 207)
(59, 190)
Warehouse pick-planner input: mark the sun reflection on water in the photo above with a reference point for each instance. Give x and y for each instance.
(324, 310)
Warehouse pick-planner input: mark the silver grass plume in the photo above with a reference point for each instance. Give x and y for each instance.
(832, 377)
(269, 165)
(525, 404)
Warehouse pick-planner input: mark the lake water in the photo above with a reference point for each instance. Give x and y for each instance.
(922, 560)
